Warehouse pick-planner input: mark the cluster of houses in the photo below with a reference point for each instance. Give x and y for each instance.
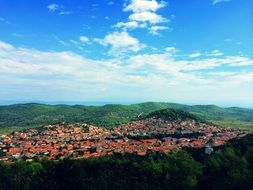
(140, 137)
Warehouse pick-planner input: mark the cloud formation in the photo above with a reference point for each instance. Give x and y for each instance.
(154, 29)
(151, 76)
(219, 1)
(53, 7)
(144, 5)
(121, 41)
(215, 52)
(59, 9)
(144, 15)
(84, 39)
(147, 16)
(193, 55)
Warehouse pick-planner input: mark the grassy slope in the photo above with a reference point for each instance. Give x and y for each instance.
(112, 115)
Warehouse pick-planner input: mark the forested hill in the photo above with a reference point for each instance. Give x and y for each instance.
(170, 114)
(112, 115)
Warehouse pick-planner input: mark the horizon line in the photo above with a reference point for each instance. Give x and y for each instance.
(103, 103)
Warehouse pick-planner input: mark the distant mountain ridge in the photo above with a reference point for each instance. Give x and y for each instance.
(113, 115)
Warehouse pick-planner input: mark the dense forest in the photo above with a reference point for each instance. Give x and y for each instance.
(228, 167)
(171, 114)
(109, 116)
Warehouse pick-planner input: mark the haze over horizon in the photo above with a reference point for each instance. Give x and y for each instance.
(189, 52)
(103, 103)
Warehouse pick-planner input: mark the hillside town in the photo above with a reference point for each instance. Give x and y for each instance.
(140, 137)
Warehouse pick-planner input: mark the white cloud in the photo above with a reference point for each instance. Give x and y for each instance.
(127, 25)
(156, 63)
(244, 77)
(121, 41)
(221, 74)
(60, 40)
(143, 15)
(184, 72)
(211, 63)
(58, 9)
(84, 39)
(144, 5)
(73, 42)
(63, 42)
(53, 7)
(54, 74)
(170, 49)
(154, 29)
(219, 1)
(214, 53)
(147, 16)
(65, 13)
(193, 55)
(23, 61)
(5, 46)
(238, 61)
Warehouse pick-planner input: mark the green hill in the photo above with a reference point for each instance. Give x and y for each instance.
(171, 114)
(112, 115)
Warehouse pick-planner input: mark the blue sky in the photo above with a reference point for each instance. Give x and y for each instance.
(187, 51)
